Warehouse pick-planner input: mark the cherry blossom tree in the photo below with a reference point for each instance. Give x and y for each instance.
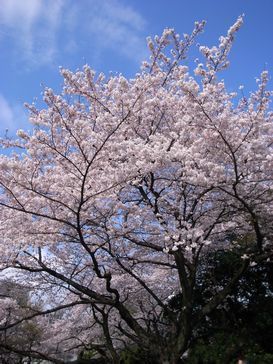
(111, 203)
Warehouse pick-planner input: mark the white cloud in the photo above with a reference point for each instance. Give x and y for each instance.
(6, 113)
(11, 116)
(40, 31)
(45, 32)
(21, 13)
(117, 26)
(31, 25)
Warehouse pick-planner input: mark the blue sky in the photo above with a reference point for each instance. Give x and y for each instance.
(38, 36)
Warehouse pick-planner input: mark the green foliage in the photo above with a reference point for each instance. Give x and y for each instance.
(136, 355)
(87, 354)
(130, 356)
(223, 348)
(242, 326)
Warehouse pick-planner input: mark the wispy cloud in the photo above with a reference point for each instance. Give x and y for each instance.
(31, 26)
(11, 116)
(6, 113)
(40, 31)
(117, 26)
